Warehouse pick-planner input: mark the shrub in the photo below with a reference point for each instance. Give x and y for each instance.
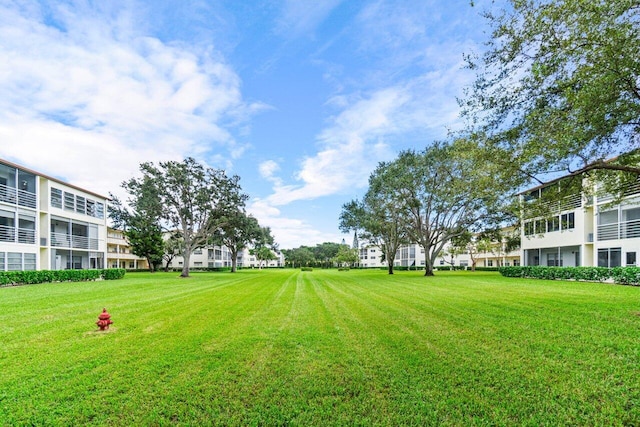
(44, 276)
(621, 275)
(113, 273)
(306, 268)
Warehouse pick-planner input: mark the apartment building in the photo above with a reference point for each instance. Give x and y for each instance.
(220, 256)
(584, 231)
(119, 253)
(495, 254)
(48, 224)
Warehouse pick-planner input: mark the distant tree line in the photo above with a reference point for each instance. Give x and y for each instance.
(323, 255)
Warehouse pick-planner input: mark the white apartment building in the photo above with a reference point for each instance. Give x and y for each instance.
(585, 231)
(220, 256)
(413, 256)
(47, 224)
(119, 253)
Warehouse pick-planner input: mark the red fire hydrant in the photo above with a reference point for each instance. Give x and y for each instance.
(104, 320)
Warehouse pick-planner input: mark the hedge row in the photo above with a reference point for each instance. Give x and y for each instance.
(621, 275)
(44, 276)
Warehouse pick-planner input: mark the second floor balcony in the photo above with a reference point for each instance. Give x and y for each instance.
(63, 240)
(17, 235)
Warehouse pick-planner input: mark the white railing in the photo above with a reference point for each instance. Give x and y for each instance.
(619, 230)
(14, 196)
(60, 240)
(7, 234)
(19, 235)
(26, 236)
(631, 229)
(63, 240)
(27, 199)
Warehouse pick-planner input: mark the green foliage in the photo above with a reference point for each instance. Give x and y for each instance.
(621, 275)
(346, 256)
(44, 276)
(189, 198)
(113, 273)
(558, 88)
(306, 269)
(237, 230)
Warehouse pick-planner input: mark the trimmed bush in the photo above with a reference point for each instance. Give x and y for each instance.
(45, 276)
(621, 275)
(306, 269)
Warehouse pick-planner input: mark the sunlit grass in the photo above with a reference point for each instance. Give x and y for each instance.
(321, 348)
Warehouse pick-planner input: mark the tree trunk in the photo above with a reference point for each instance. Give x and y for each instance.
(234, 261)
(390, 267)
(185, 266)
(151, 266)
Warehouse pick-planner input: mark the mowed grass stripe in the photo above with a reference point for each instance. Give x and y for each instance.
(321, 347)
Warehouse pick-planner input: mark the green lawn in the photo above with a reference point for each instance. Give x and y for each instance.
(321, 348)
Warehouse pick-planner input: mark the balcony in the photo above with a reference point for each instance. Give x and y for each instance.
(63, 240)
(17, 235)
(20, 197)
(619, 230)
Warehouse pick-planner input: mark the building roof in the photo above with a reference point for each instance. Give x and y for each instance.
(50, 178)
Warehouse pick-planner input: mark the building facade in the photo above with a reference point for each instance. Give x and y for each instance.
(585, 231)
(47, 224)
(220, 256)
(119, 253)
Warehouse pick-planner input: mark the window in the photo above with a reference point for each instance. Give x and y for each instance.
(490, 263)
(56, 198)
(1, 261)
(541, 226)
(29, 262)
(554, 260)
(608, 217)
(99, 210)
(528, 228)
(197, 264)
(80, 205)
(632, 223)
(14, 261)
(631, 258)
(609, 257)
(91, 207)
(197, 252)
(568, 221)
(69, 201)
(7, 226)
(26, 228)
(553, 224)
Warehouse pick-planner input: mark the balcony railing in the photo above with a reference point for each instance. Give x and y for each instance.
(62, 240)
(17, 235)
(14, 196)
(619, 230)
(26, 236)
(7, 234)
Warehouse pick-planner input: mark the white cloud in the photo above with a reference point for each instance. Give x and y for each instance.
(289, 232)
(268, 168)
(84, 95)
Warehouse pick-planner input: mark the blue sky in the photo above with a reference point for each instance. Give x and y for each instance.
(300, 99)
